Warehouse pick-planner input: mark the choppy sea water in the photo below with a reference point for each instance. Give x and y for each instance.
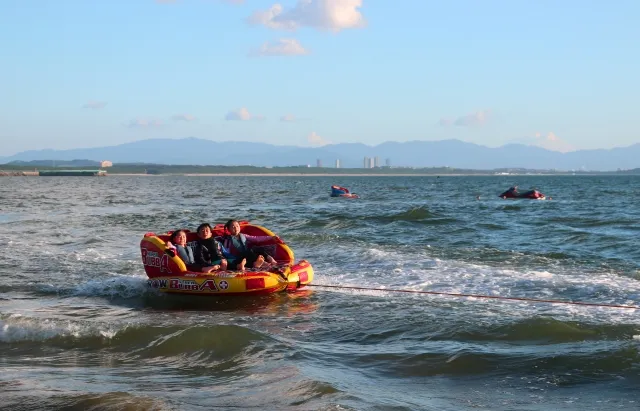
(79, 329)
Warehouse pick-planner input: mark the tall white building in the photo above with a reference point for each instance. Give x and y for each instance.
(376, 162)
(365, 164)
(371, 163)
(337, 163)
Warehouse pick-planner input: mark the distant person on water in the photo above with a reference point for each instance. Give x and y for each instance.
(248, 247)
(208, 253)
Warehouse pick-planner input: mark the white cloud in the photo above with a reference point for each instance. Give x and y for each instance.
(224, 1)
(552, 142)
(183, 117)
(267, 18)
(288, 118)
(469, 120)
(333, 15)
(315, 140)
(283, 47)
(475, 119)
(144, 123)
(95, 105)
(242, 114)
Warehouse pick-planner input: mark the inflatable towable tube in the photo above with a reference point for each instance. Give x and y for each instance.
(514, 193)
(168, 273)
(337, 191)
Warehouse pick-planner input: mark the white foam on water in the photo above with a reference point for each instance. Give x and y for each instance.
(402, 268)
(378, 253)
(113, 285)
(16, 328)
(542, 274)
(123, 286)
(108, 334)
(92, 254)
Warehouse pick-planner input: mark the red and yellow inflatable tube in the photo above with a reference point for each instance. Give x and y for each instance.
(169, 273)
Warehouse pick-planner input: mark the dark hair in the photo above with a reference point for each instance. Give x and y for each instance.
(203, 225)
(175, 234)
(229, 223)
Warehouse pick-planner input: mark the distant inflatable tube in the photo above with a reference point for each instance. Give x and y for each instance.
(530, 194)
(337, 191)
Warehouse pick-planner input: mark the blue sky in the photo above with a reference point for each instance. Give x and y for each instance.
(562, 74)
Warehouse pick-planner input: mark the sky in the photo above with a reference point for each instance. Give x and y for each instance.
(563, 75)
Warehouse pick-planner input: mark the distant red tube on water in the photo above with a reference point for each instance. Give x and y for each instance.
(530, 194)
(337, 191)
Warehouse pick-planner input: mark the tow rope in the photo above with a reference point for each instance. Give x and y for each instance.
(495, 297)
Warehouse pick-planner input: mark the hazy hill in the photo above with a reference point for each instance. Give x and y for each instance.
(451, 153)
(56, 163)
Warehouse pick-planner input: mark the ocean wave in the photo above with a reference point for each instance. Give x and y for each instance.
(132, 338)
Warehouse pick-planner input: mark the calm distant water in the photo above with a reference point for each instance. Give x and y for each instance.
(80, 330)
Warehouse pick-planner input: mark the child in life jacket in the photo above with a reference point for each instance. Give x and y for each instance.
(249, 247)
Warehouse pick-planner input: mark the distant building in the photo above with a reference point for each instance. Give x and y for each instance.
(337, 163)
(106, 163)
(371, 164)
(376, 162)
(388, 162)
(318, 163)
(365, 163)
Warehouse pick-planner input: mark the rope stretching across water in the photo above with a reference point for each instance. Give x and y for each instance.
(495, 297)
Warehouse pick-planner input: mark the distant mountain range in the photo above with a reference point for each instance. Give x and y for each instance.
(451, 153)
(57, 163)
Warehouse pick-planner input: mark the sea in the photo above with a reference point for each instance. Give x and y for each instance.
(443, 296)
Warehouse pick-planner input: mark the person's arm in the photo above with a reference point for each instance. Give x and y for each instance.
(219, 255)
(262, 240)
(226, 253)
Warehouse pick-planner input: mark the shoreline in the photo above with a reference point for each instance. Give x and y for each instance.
(13, 173)
(353, 174)
(293, 175)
